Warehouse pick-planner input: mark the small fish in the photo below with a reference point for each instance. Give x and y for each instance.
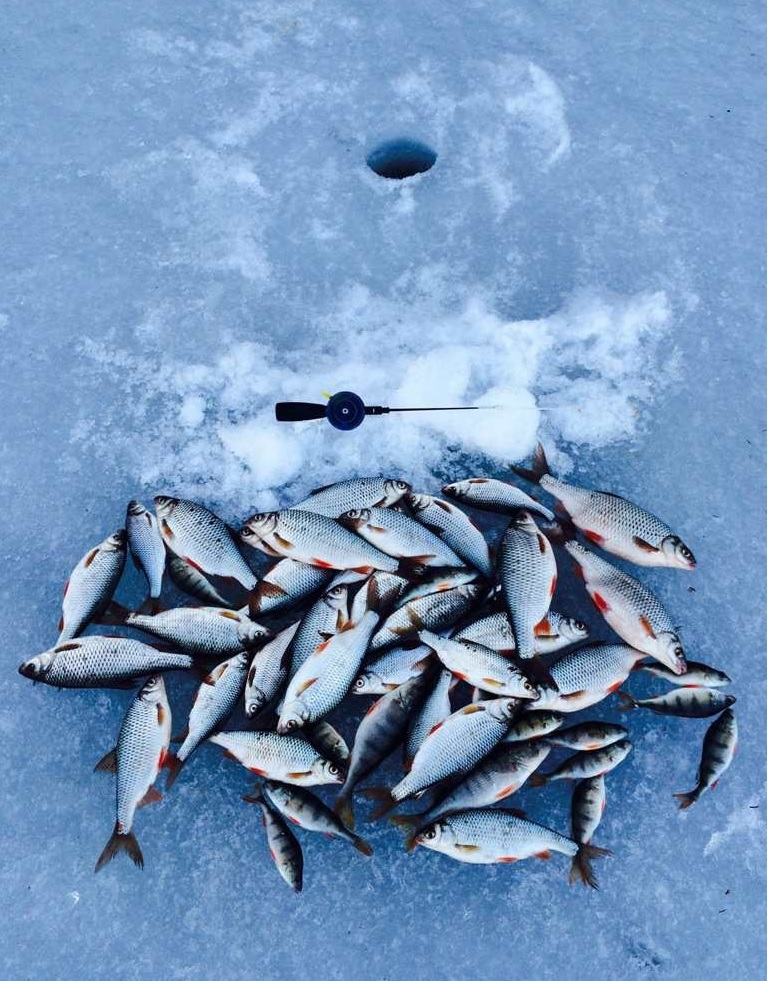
(287, 583)
(696, 675)
(289, 759)
(589, 736)
(587, 806)
(593, 763)
(455, 528)
(435, 612)
(392, 669)
(147, 549)
(201, 538)
(588, 675)
(480, 666)
(435, 708)
(614, 524)
(92, 585)
(630, 609)
(717, 755)
(445, 580)
(204, 631)
(268, 672)
(214, 702)
(316, 540)
(328, 742)
(398, 535)
(191, 581)
(688, 703)
(324, 679)
(551, 634)
(387, 588)
(380, 732)
(496, 836)
(100, 662)
(327, 615)
(494, 495)
(141, 751)
(284, 847)
(533, 725)
(359, 492)
(528, 576)
(307, 811)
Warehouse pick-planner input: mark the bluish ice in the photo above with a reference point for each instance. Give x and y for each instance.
(190, 233)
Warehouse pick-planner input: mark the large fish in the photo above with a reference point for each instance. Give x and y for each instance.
(268, 672)
(288, 582)
(494, 495)
(398, 535)
(204, 631)
(435, 612)
(91, 585)
(214, 702)
(289, 759)
(324, 679)
(613, 523)
(316, 540)
(554, 632)
(201, 538)
(141, 751)
(587, 806)
(480, 666)
(455, 528)
(587, 676)
(716, 756)
(528, 574)
(688, 703)
(491, 836)
(284, 848)
(630, 609)
(100, 662)
(147, 549)
(359, 492)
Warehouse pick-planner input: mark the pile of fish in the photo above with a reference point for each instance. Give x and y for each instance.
(379, 591)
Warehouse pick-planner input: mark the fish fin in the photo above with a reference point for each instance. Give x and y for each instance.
(435, 727)
(600, 602)
(406, 821)
(553, 585)
(541, 539)
(467, 848)
(321, 563)
(230, 615)
(115, 614)
(306, 684)
(544, 854)
(318, 490)
(258, 772)
(643, 545)
(294, 774)
(180, 736)
(615, 687)
(385, 798)
(468, 710)
(507, 859)
(594, 536)
(121, 843)
(61, 624)
(173, 765)
(539, 466)
(70, 645)
(543, 628)
(90, 557)
(505, 791)
(194, 564)
(538, 779)
(581, 866)
(686, 800)
(362, 846)
(151, 606)
(343, 808)
(152, 796)
(108, 762)
(627, 702)
(645, 624)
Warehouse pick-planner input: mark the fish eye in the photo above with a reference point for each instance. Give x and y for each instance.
(247, 532)
(678, 651)
(528, 686)
(360, 683)
(291, 724)
(511, 706)
(333, 769)
(579, 625)
(429, 834)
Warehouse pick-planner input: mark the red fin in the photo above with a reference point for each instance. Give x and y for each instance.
(298, 773)
(282, 542)
(90, 557)
(643, 545)
(542, 543)
(320, 563)
(435, 728)
(578, 571)
(553, 585)
(645, 624)
(255, 769)
(594, 537)
(363, 569)
(108, 762)
(152, 796)
(507, 859)
(308, 683)
(61, 624)
(506, 791)
(194, 565)
(543, 628)
(600, 602)
(615, 687)
(545, 854)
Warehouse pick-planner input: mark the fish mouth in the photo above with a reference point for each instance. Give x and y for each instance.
(135, 508)
(29, 670)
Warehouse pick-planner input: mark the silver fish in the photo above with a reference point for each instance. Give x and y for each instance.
(326, 617)
(100, 662)
(191, 581)
(589, 736)
(289, 759)
(494, 495)
(480, 666)
(434, 612)
(91, 585)
(201, 538)
(455, 528)
(268, 672)
(141, 751)
(147, 549)
(551, 634)
(214, 702)
(359, 492)
(288, 582)
(316, 540)
(528, 576)
(447, 579)
(587, 806)
(717, 755)
(688, 703)
(630, 609)
(205, 631)
(284, 848)
(612, 522)
(304, 809)
(398, 535)
(533, 725)
(586, 676)
(384, 591)
(696, 675)
(593, 763)
(392, 669)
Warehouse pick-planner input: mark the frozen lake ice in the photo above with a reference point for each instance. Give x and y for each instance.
(191, 233)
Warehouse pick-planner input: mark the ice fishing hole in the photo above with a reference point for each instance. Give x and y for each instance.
(398, 159)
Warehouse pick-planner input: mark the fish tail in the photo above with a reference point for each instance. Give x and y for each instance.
(151, 605)
(115, 613)
(538, 779)
(120, 842)
(343, 808)
(539, 466)
(173, 765)
(686, 799)
(384, 796)
(362, 845)
(627, 702)
(581, 866)
(409, 823)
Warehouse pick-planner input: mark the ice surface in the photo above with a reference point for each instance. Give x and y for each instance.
(190, 232)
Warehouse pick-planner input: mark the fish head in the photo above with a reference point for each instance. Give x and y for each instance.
(502, 709)
(336, 596)
(259, 526)
(459, 490)
(522, 520)
(394, 490)
(135, 509)
(255, 702)
(153, 691)
(252, 634)
(115, 542)
(419, 502)
(367, 683)
(36, 668)
(357, 518)
(532, 693)
(671, 652)
(573, 629)
(293, 717)
(241, 661)
(436, 836)
(164, 506)
(328, 771)
(677, 552)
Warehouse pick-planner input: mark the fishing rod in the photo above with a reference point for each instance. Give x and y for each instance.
(346, 410)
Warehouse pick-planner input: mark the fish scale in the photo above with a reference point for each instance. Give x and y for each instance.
(284, 848)
(268, 672)
(528, 577)
(587, 806)
(398, 535)
(433, 612)
(688, 703)
(287, 582)
(146, 545)
(397, 666)
(494, 495)
(359, 492)
(436, 708)
(550, 635)
(455, 528)
(205, 631)
(717, 754)
(192, 582)
(326, 616)
(480, 666)
(91, 585)
(289, 759)
(630, 608)
(586, 676)
(590, 763)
